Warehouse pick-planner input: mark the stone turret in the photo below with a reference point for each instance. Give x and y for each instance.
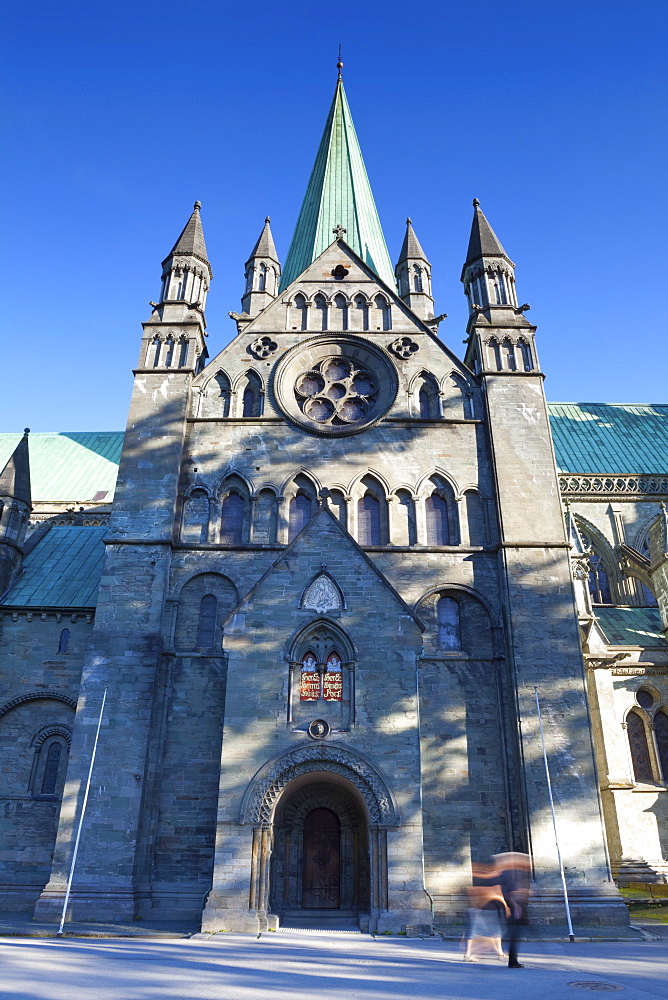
(15, 507)
(413, 273)
(263, 272)
(174, 335)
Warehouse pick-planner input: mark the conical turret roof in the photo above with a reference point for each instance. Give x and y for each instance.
(191, 241)
(15, 477)
(483, 242)
(411, 248)
(265, 246)
(338, 194)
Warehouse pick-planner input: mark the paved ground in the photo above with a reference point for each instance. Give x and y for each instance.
(302, 966)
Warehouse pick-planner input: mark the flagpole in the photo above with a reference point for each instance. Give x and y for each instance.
(81, 818)
(571, 936)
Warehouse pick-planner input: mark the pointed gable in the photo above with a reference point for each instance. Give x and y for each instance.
(338, 194)
(15, 477)
(483, 241)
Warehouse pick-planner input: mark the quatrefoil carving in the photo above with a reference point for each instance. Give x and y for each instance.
(263, 347)
(404, 347)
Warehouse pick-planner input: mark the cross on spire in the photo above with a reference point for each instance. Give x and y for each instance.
(339, 231)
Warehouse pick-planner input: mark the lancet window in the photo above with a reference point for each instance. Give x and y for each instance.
(449, 627)
(638, 746)
(64, 640)
(361, 313)
(301, 507)
(252, 396)
(206, 630)
(302, 312)
(232, 519)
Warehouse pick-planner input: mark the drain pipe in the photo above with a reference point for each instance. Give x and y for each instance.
(419, 730)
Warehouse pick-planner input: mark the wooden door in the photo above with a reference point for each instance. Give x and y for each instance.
(321, 878)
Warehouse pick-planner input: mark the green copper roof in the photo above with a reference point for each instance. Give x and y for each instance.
(75, 467)
(338, 194)
(62, 571)
(597, 438)
(631, 626)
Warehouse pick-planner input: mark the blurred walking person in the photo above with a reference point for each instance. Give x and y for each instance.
(515, 879)
(486, 913)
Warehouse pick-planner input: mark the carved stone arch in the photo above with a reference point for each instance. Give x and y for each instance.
(199, 488)
(37, 696)
(322, 594)
(480, 628)
(425, 395)
(425, 486)
(306, 636)
(189, 597)
(55, 730)
(266, 787)
(357, 486)
(289, 487)
(242, 378)
(595, 540)
(229, 474)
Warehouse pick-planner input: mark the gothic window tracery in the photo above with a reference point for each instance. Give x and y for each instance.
(598, 580)
(321, 680)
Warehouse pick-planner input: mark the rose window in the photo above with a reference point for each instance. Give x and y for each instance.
(336, 392)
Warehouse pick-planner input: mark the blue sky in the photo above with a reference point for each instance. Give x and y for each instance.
(119, 116)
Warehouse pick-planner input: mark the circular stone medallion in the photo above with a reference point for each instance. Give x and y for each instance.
(335, 385)
(319, 729)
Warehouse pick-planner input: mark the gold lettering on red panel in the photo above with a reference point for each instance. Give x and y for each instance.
(332, 681)
(310, 681)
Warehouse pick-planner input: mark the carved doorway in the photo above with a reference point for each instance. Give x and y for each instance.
(321, 877)
(320, 852)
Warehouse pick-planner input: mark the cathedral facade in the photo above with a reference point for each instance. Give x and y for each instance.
(339, 566)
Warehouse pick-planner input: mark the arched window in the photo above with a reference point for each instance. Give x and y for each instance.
(383, 318)
(302, 312)
(262, 278)
(599, 583)
(218, 394)
(525, 352)
(661, 734)
(252, 397)
(332, 680)
(361, 321)
(321, 307)
(300, 513)
(337, 504)
(340, 313)
(642, 766)
(215, 585)
(206, 629)
(264, 524)
(417, 278)
(500, 289)
(64, 640)
(183, 352)
(368, 520)
(427, 390)
(509, 351)
(51, 768)
(449, 628)
(156, 344)
(195, 523)
(405, 526)
(169, 357)
(453, 399)
(438, 526)
(232, 522)
(495, 348)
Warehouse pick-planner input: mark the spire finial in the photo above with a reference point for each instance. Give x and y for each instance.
(339, 231)
(197, 206)
(409, 221)
(267, 220)
(476, 203)
(339, 64)
(26, 430)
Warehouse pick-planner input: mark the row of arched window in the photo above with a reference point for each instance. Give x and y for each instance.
(647, 732)
(167, 353)
(504, 355)
(340, 313)
(432, 517)
(492, 287)
(428, 399)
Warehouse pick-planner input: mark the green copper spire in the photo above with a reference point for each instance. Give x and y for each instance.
(338, 194)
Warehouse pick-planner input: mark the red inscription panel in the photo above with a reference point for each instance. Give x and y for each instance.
(310, 683)
(332, 681)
